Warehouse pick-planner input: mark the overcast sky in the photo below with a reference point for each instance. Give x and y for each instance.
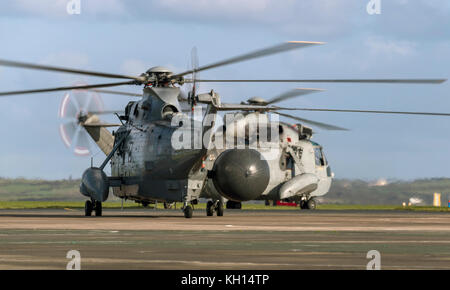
(408, 39)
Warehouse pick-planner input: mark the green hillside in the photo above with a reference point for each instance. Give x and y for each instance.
(342, 191)
(396, 192)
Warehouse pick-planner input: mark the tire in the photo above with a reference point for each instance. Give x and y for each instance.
(219, 209)
(188, 211)
(209, 208)
(302, 204)
(311, 204)
(88, 208)
(98, 208)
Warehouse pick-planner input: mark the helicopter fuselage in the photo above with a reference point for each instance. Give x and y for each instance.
(146, 167)
(294, 169)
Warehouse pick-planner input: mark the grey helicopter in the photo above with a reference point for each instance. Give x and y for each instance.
(146, 167)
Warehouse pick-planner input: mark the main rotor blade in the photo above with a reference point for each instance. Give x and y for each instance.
(117, 93)
(244, 107)
(107, 112)
(291, 94)
(255, 54)
(64, 70)
(314, 123)
(66, 88)
(379, 81)
(366, 111)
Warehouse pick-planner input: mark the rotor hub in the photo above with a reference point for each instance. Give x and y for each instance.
(257, 101)
(82, 116)
(161, 76)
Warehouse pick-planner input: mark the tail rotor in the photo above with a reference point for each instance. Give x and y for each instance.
(74, 112)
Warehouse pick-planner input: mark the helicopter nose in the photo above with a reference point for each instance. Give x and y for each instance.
(241, 174)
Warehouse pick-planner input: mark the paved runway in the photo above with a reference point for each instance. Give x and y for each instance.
(269, 239)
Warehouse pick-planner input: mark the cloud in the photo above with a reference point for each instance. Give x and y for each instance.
(58, 8)
(133, 67)
(68, 59)
(390, 48)
(214, 9)
(319, 16)
(427, 19)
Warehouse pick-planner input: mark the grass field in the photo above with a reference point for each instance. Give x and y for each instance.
(130, 205)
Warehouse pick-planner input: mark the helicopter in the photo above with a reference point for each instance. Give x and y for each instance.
(146, 167)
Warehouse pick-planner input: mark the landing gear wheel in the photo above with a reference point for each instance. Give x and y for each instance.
(210, 208)
(98, 208)
(188, 211)
(88, 208)
(303, 204)
(219, 208)
(311, 204)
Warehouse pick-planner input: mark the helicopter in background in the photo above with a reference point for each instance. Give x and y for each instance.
(145, 166)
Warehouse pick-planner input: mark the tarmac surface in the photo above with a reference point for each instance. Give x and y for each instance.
(248, 239)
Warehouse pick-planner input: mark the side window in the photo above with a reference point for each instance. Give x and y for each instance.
(320, 159)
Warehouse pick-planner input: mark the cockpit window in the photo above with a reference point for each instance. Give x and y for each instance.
(128, 108)
(319, 157)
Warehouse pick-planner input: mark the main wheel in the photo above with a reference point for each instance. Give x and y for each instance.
(311, 204)
(210, 208)
(98, 208)
(219, 208)
(88, 208)
(188, 211)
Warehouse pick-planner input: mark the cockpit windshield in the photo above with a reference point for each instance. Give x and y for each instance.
(319, 157)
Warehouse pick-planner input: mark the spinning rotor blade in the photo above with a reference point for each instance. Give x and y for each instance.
(66, 88)
(379, 81)
(65, 70)
(82, 144)
(256, 54)
(367, 111)
(117, 93)
(291, 94)
(314, 123)
(68, 131)
(106, 112)
(75, 113)
(244, 107)
(69, 109)
(194, 68)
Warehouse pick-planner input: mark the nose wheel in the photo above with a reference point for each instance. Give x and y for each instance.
(188, 211)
